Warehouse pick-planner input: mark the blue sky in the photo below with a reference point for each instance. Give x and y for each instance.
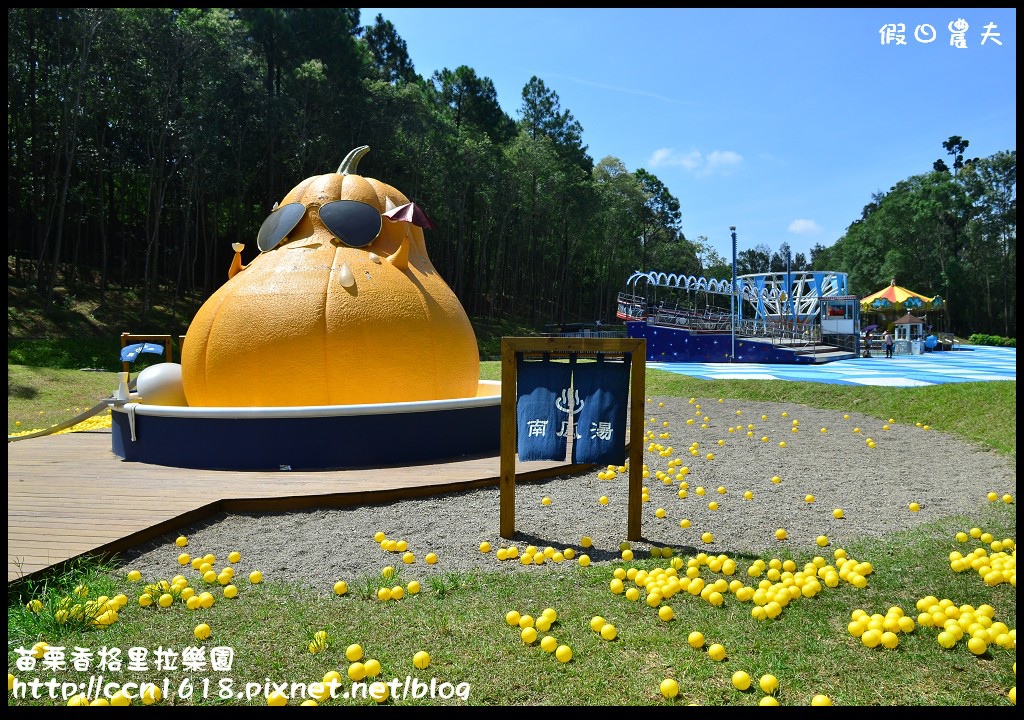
(782, 122)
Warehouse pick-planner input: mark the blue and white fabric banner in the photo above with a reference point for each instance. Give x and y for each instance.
(130, 352)
(601, 417)
(543, 405)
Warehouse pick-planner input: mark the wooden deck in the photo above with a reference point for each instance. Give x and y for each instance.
(70, 496)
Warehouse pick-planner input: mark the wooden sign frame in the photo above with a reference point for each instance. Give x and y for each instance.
(571, 347)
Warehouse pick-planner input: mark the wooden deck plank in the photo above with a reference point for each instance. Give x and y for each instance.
(70, 495)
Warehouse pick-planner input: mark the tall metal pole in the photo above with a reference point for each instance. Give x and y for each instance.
(789, 289)
(732, 295)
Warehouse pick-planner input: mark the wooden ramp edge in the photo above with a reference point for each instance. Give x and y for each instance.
(69, 497)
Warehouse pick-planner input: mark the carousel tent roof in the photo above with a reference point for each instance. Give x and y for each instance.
(898, 298)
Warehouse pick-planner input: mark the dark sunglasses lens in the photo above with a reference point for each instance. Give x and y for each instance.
(278, 224)
(354, 223)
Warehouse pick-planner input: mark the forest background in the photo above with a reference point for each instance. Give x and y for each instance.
(143, 142)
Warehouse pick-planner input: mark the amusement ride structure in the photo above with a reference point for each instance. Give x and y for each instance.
(794, 317)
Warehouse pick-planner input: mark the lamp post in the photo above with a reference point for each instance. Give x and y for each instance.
(732, 295)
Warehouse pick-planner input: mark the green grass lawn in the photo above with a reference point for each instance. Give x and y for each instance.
(480, 659)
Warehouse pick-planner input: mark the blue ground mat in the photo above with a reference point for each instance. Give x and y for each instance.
(971, 363)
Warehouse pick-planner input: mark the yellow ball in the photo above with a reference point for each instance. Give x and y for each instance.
(837, 513)
(563, 653)
(914, 507)
(608, 631)
(255, 577)
(512, 617)
(430, 559)
(768, 700)
(716, 652)
(120, 699)
(666, 613)
(821, 700)
(977, 645)
(603, 500)
(182, 541)
(741, 680)
(485, 547)
(230, 591)
(150, 693)
(669, 688)
(202, 631)
(707, 537)
(822, 541)
(184, 559)
(696, 639)
(277, 699)
(165, 600)
(780, 534)
(356, 671)
(768, 683)
(421, 659)
(627, 555)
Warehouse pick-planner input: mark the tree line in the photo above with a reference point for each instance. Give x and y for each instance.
(143, 142)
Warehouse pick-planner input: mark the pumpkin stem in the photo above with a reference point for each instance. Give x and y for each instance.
(351, 161)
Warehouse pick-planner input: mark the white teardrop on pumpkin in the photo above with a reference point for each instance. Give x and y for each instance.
(345, 276)
(374, 257)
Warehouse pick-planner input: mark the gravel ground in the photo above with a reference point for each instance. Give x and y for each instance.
(873, 487)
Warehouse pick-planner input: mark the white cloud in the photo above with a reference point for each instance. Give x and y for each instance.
(801, 226)
(716, 161)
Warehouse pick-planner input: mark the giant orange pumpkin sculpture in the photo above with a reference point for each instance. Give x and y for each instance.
(341, 307)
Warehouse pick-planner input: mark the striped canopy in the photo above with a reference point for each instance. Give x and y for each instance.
(898, 299)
